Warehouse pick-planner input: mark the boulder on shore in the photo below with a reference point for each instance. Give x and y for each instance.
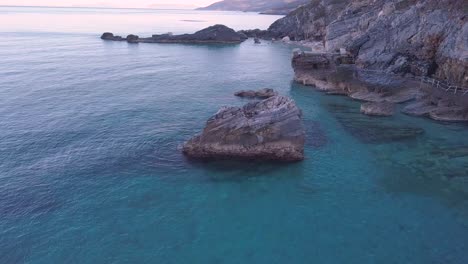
(217, 34)
(378, 108)
(271, 129)
(261, 94)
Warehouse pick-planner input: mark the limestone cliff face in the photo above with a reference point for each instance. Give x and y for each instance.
(420, 37)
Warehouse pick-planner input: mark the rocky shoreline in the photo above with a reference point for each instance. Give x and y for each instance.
(217, 34)
(336, 74)
(393, 45)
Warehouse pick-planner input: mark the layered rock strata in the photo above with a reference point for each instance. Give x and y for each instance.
(271, 129)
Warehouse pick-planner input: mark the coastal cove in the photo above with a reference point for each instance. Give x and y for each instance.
(92, 170)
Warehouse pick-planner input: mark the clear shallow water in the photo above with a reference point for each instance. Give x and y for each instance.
(90, 170)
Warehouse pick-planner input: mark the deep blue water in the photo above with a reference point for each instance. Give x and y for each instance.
(91, 170)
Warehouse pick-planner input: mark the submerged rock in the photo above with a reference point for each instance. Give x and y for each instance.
(371, 130)
(378, 109)
(441, 112)
(262, 93)
(316, 136)
(271, 129)
(215, 34)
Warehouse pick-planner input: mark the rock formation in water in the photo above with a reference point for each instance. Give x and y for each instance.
(273, 7)
(217, 34)
(271, 129)
(261, 94)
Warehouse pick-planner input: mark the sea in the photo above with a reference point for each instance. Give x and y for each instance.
(91, 169)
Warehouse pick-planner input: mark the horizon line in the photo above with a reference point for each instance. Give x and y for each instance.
(103, 7)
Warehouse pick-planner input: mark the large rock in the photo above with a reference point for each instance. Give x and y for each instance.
(217, 34)
(213, 34)
(271, 129)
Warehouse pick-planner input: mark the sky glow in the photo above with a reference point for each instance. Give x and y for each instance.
(110, 3)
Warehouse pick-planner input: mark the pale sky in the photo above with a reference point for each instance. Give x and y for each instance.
(109, 3)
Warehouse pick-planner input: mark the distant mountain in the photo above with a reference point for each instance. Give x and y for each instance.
(279, 7)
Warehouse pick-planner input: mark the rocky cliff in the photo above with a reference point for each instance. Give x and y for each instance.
(417, 37)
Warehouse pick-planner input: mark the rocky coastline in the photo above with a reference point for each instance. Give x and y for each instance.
(335, 74)
(217, 34)
(393, 48)
(369, 50)
(412, 52)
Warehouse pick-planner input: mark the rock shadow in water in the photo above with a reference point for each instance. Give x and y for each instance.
(425, 169)
(371, 130)
(239, 170)
(316, 137)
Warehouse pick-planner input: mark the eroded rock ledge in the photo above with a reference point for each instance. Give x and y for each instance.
(271, 129)
(336, 74)
(217, 34)
(378, 109)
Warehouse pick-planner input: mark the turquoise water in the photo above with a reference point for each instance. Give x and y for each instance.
(91, 170)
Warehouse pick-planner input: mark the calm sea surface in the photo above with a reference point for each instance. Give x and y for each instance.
(91, 170)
